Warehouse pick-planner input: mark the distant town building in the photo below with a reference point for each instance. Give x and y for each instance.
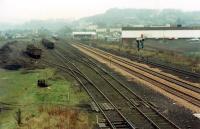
(109, 34)
(91, 27)
(2, 36)
(115, 30)
(84, 35)
(35, 31)
(112, 39)
(138, 25)
(129, 33)
(101, 30)
(18, 36)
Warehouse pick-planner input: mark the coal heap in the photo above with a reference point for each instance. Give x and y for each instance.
(12, 56)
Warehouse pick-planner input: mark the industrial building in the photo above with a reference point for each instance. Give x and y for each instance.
(84, 35)
(101, 30)
(131, 33)
(115, 30)
(109, 34)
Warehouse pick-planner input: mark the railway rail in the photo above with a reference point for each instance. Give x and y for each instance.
(154, 63)
(186, 96)
(161, 65)
(139, 106)
(178, 70)
(168, 78)
(114, 118)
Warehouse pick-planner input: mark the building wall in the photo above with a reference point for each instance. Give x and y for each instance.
(115, 29)
(161, 33)
(84, 37)
(101, 30)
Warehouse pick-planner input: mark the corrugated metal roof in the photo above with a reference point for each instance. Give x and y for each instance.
(161, 33)
(160, 28)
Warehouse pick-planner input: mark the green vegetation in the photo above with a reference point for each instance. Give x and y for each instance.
(126, 17)
(178, 52)
(19, 89)
(2, 38)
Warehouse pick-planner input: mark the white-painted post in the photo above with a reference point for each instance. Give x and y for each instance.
(97, 118)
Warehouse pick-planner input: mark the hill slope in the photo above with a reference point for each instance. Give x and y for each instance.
(114, 17)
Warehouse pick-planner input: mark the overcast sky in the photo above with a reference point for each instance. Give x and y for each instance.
(24, 10)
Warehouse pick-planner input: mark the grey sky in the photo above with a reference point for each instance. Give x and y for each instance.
(23, 10)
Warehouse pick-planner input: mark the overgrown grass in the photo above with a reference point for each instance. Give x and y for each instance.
(19, 88)
(186, 57)
(58, 118)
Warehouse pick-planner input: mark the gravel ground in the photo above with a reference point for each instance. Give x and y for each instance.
(179, 115)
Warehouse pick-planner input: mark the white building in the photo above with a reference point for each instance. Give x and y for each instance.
(91, 27)
(138, 25)
(160, 32)
(101, 30)
(18, 36)
(115, 30)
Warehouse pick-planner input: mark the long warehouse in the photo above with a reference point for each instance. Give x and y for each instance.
(160, 32)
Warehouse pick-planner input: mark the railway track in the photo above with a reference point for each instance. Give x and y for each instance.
(193, 99)
(168, 78)
(181, 71)
(150, 61)
(137, 106)
(176, 81)
(114, 118)
(179, 82)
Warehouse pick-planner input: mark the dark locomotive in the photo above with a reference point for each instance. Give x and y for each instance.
(33, 51)
(48, 44)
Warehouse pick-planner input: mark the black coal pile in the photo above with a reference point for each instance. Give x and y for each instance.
(12, 56)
